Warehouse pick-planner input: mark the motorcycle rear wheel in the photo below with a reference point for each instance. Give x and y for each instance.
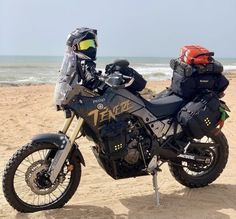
(192, 177)
(24, 184)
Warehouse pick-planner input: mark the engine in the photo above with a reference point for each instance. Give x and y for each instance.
(125, 146)
(127, 140)
(133, 154)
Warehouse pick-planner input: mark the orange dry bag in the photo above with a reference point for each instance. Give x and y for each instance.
(194, 54)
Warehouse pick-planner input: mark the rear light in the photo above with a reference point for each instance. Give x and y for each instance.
(221, 95)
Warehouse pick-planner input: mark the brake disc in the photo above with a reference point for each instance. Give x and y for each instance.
(31, 178)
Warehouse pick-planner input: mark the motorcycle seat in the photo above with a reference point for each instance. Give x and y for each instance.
(165, 106)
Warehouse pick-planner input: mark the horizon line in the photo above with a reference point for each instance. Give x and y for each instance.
(105, 56)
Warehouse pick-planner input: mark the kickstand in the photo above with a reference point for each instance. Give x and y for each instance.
(155, 187)
(153, 169)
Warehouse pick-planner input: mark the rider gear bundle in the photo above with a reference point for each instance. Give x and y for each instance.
(84, 44)
(190, 79)
(78, 65)
(198, 77)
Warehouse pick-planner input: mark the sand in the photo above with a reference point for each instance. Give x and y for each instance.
(29, 110)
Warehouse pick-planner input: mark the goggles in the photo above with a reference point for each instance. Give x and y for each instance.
(85, 44)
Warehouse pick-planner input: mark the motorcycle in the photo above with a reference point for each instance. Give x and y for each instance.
(132, 136)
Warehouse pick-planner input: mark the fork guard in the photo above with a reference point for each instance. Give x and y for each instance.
(58, 139)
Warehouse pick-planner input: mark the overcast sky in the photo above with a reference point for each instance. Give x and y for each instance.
(125, 27)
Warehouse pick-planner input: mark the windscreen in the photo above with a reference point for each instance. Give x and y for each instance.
(68, 78)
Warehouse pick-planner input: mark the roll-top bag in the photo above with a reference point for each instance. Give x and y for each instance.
(200, 116)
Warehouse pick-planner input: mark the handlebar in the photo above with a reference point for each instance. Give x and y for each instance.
(110, 80)
(122, 85)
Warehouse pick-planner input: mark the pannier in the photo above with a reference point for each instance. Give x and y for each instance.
(201, 115)
(189, 80)
(122, 66)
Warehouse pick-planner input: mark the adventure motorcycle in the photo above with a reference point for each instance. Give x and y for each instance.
(133, 137)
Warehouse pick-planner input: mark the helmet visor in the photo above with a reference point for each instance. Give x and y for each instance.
(85, 44)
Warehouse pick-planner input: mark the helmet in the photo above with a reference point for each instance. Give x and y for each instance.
(84, 43)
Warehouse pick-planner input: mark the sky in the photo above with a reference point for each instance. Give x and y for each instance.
(150, 28)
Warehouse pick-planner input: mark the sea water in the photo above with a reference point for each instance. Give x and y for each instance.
(45, 69)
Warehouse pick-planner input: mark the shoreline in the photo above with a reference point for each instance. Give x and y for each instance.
(24, 84)
(228, 74)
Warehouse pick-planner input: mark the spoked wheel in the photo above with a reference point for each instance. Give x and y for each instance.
(195, 175)
(26, 184)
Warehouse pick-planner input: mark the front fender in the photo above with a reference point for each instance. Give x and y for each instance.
(59, 140)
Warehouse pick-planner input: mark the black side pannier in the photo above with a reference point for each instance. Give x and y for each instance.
(189, 80)
(122, 66)
(201, 115)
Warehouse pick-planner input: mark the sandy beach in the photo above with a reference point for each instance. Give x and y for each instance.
(29, 110)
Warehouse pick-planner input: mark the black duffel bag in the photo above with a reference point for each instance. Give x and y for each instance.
(189, 87)
(213, 67)
(189, 80)
(200, 116)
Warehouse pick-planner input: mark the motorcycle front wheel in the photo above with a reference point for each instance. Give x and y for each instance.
(26, 185)
(199, 175)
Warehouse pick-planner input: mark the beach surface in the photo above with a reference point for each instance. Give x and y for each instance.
(29, 110)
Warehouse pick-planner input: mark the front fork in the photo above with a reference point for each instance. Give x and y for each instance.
(65, 148)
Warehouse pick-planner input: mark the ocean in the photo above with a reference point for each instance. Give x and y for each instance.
(45, 69)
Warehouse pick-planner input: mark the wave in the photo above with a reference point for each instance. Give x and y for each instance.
(229, 67)
(43, 74)
(28, 80)
(156, 65)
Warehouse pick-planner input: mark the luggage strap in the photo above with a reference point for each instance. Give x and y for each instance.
(204, 54)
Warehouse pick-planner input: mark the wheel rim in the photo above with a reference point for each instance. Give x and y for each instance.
(27, 184)
(197, 170)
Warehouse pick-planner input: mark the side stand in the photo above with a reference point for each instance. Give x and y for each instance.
(155, 187)
(153, 169)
